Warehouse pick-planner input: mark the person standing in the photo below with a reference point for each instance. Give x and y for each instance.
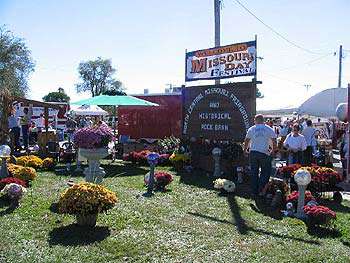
(295, 144)
(71, 125)
(14, 130)
(258, 140)
(309, 133)
(25, 122)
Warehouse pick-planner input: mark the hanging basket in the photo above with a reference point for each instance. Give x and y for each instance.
(86, 220)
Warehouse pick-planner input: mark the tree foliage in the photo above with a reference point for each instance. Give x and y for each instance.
(97, 77)
(16, 63)
(57, 96)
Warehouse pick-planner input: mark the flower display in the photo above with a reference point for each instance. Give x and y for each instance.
(179, 157)
(86, 198)
(168, 144)
(318, 174)
(93, 137)
(11, 180)
(319, 215)
(14, 191)
(30, 161)
(293, 197)
(224, 184)
(162, 179)
(48, 163)
(21, 172)
(289, 169)
(141, 157)
(272, 186)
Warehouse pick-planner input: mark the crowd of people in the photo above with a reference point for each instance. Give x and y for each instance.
(295, 141)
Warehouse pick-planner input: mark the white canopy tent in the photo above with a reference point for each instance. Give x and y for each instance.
(87, 110)
(324, 103)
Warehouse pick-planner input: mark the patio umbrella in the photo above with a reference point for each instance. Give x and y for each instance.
(105, 100)
(88, 110)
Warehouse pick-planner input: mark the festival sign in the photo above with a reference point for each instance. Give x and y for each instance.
(221, 62)
(222, 112)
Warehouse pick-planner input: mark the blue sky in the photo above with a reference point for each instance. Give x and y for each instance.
(146, 41)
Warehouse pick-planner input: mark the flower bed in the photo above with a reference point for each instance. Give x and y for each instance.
(30, 161)
(319, 215)
(21, 172)
(319, 174)
(141, 158)
(86, 199)
(36, 162)
(93, 137)
(11, 180)
(293, 197)
(161, 179)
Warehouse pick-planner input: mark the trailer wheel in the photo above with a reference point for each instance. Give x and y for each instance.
(337, 197)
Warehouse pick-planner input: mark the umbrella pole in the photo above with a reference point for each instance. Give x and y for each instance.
(115, 133)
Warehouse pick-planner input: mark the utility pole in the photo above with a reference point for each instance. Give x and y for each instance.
(217, 28)
(340, 65)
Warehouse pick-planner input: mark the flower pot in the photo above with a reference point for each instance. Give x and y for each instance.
(86, 220)
(94, 173)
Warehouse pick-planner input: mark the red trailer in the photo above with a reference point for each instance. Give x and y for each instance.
(152, 122)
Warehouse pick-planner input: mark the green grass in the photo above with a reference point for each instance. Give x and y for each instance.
(189, 223)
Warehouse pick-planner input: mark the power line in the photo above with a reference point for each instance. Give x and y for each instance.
(306, 63)
(278, 77)
(276, 32)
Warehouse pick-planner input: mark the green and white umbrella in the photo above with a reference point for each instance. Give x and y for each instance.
(106, 100)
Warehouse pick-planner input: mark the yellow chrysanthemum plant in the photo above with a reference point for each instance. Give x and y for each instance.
(24, 173)
(86, 199)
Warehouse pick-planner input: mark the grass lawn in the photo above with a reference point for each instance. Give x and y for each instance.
(188, 223)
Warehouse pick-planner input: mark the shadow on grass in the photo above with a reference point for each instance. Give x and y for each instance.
(122, 170)
(4, 201)
(74, 235)
(323, 232)
(197, 178)
(346, 243)
(242, 227)
(54, 208)
(261, 207)
(116, 169)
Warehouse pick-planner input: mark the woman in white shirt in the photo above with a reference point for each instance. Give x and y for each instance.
(295, 144)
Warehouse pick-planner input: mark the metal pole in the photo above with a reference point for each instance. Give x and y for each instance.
(340, 65)
(217, 28)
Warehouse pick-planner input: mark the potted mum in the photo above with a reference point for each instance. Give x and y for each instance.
(319, 215)
(93, 142)
(14, 192)
(85, 201)
(161, 180)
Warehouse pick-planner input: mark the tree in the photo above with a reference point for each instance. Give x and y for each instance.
(259, 95)
(116, 88)
(57, 96)
(16, 63)
(97, 77)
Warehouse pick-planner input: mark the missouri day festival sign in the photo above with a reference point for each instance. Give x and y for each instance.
(222, 112)
(222, 62)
